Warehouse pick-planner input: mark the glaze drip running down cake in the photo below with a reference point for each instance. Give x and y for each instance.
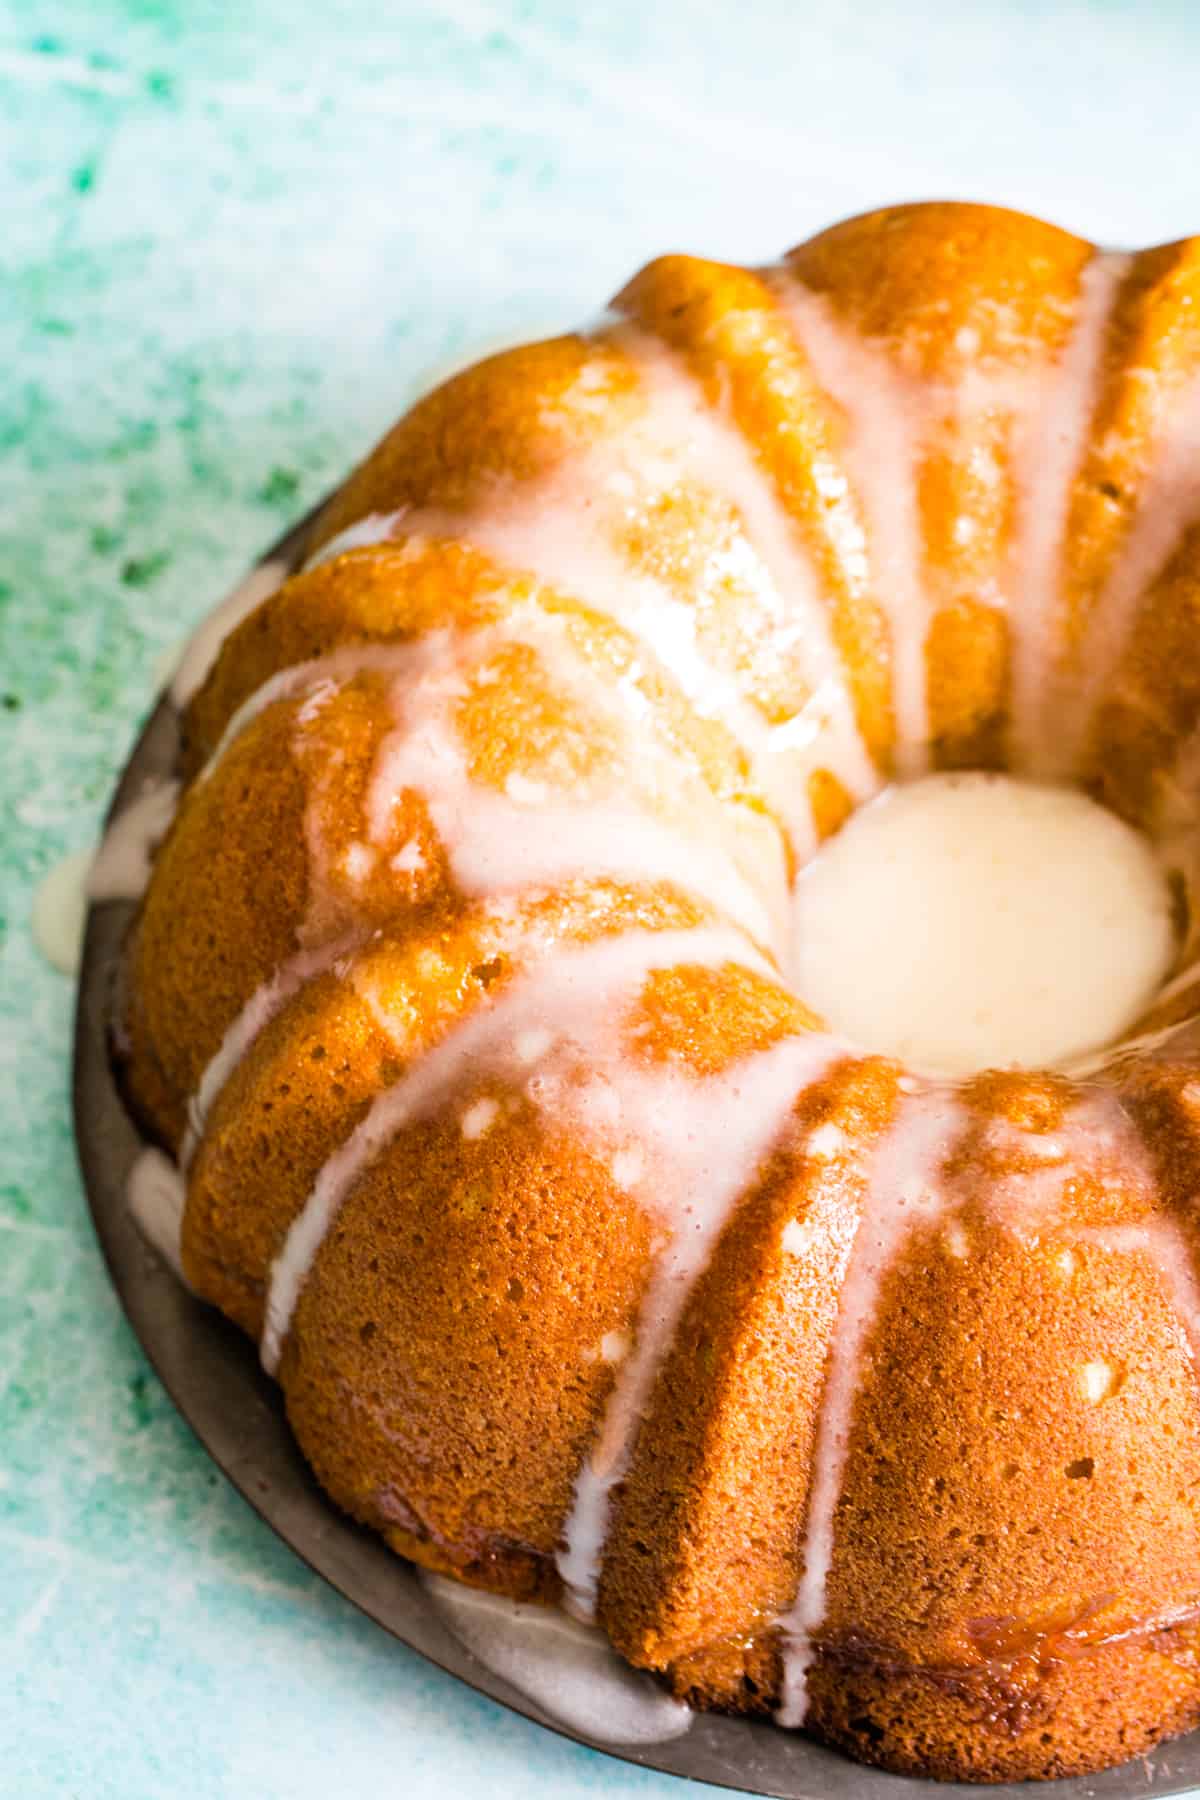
(595, 1267)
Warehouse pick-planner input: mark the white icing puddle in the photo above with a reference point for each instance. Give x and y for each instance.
(569, 1670)
(973, 921)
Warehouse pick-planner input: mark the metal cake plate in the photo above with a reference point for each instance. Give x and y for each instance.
(213, 1376)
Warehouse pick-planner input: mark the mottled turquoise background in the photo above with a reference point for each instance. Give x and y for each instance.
(232, 238)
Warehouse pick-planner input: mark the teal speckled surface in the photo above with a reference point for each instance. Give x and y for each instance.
(234, 237)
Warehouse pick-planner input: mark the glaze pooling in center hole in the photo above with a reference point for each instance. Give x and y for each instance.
(968, 921)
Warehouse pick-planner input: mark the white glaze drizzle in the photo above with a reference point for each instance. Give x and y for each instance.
(531, 834)
(1162, 1244)
(565, 539)
(720, 1132)
(556, 529)
(886, 416)
(494, 840)
(204, 646)
(372, 529)
(1048, 448)
(1168, 504)
(550, 535)
(521, 836)
(672, 858)
(570, 1672)
(266, 1001)
(717, 452)
(121, 867)
(155, 1195)
(1026, 1178)
(566, 995)
(560, 527)
(904, 1188)
(319, 678)
(894, 419)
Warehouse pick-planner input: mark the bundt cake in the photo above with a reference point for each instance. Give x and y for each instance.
(594, 1268)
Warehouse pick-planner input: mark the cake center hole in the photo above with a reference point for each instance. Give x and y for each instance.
(975, 921)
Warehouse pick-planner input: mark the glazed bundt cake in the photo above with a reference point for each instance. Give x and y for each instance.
(593, 1267)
